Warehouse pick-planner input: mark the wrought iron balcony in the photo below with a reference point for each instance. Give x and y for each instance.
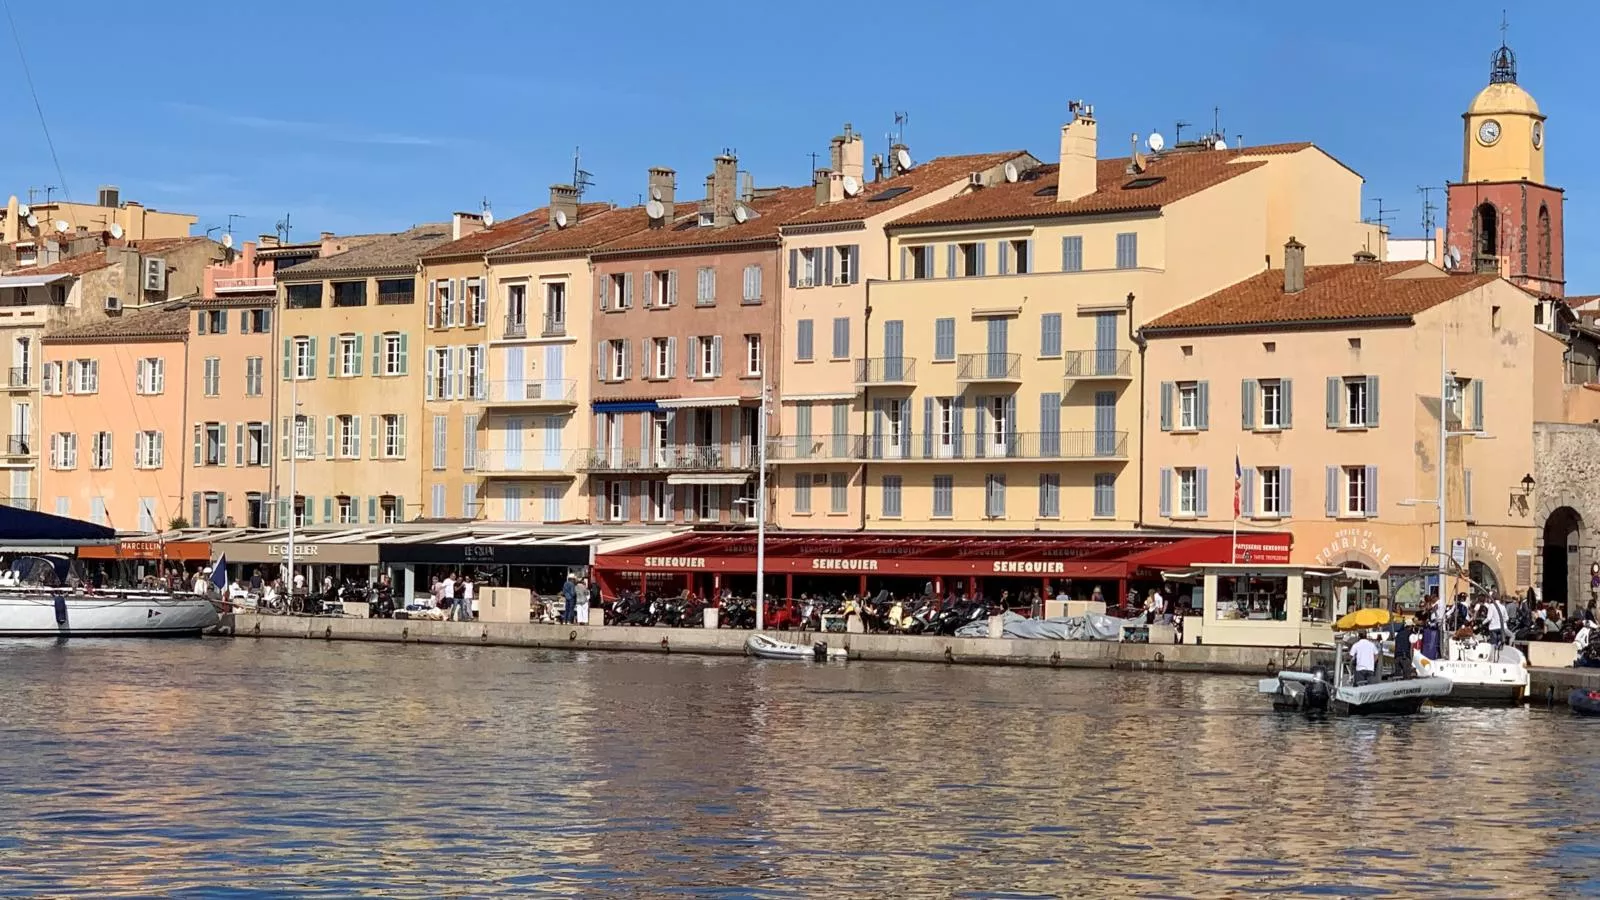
(1034, 445)
(1099, 365)
(992, 368)
(516, 326)
(554, 326)
(21, 377)
(547, 393)
(726, 457)
(19, 445)
(817, 448)
(886, 371)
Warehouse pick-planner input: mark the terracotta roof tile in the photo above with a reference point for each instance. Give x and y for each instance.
(510, 231)
(931, 175)
(590, 231)
(772, 212)
(167, 323)
(390, 252)
(166, 245)
(1343, 292)
(1033, 196)
(72, 265)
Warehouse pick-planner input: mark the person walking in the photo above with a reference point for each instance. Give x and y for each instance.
(468, 590)
(569, 600)
(458, 600)
(583, 602)
(1403, 667)
(1365, 655)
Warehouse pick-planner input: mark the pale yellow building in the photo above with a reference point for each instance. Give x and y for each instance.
(998, 373)
(351, 333)
(43, 232)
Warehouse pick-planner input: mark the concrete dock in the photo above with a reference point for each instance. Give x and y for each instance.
(729, 642)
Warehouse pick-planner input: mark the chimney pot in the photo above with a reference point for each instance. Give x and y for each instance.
(1294, 266)
(1079, 173)
(663, 181)
(1366, 256)
(564, 197)
(821, 180)
(724, 185)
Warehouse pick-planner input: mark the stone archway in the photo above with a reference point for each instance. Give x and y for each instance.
(1563, 576)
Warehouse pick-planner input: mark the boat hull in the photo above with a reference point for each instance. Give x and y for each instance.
(1401, 696)
(763, 647)
(1482, 675)
(40, 614)
(1583, 702)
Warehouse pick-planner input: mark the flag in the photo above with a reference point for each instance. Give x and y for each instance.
(1238, 482)
(219, 572)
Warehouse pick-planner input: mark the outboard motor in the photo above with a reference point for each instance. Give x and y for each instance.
(819, 651)
(1317, 692)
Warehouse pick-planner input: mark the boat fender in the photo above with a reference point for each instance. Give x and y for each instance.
(485, 636)
(61, 609)
(327, 633)
(1316, 696)
(665, 646)
(572, 635)
(405, 634)
(819, 651)
(1055, 658)
(948, 655)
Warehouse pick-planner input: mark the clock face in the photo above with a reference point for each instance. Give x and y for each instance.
(1538, 135)
(1488, 132)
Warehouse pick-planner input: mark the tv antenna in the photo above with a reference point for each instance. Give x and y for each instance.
(1384, 215)
(900, 120)
(1177, 132)
(1428, 209)
(1216, 124)
(283, 228)
(231, 217)
(581, 179)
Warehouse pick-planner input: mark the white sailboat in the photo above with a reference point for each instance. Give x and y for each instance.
(31, 607)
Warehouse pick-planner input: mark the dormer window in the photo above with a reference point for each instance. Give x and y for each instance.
(707, 219)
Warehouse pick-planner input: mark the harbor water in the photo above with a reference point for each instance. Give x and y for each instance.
(250, 768)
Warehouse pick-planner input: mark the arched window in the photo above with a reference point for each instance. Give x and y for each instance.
(1488, 230)
(1544, 241)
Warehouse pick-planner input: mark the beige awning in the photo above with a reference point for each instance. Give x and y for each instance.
(698, 402)
(694, 478)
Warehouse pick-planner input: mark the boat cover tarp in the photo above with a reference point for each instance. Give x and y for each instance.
(25, 527)
(1088, 627)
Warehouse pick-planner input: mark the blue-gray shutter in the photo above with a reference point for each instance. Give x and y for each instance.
(1335, 384)
(1286, 403)
(1285, 492)
(1164, 505)
(1372, 491)
(877, 429)
(1202, 488)
(855, 263)
(1105, 423)
(905, 263)
(1050, 424)
(980, 432)
(1477, 404)
(1166, 406)
(959, 415)
(982, 246)
(1332, 504)
(927, 428)
(841, 338)
(1010, 436)
(803, 339)
(827, 265)
(1005, 258)
(1372, 401)
(1202, 403)
(794, 269)
(1050, 334)
(950, 261)
(1247, 493)
(1247, 404)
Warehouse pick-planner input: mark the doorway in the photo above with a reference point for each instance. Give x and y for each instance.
(1562, 536)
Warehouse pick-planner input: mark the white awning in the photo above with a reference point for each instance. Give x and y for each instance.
(27, 281)
(698, 402)
(812, 398)
(707, 479)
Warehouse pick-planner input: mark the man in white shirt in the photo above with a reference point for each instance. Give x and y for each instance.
(447, 594)
(1364, 653)
(467, 593)
(1158, 605)
(1495, 620)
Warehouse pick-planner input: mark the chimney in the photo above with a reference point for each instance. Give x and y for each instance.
(1366, 256)
(1079, 160)
(895, 168)
(564, 197)
(849, 161)
(822, 180)
(877, 167)
(724, 177)
(465, 223)
(267, 240)
(110, 197)
(1294, 267)
(663, 185)
(836, 153)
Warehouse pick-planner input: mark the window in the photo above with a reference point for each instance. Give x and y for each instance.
(349, 355)
(211, 376)
(437, 506)
(100, 450)
(350, 293)
(1105, 495)
(1127, 250)
(705, 289)
(1188, 492)
(845, 267)
(441, 312)
(891, 496)
(921, 259)
(841, 338)
(1188, 406)
(214, 321)
(968, 259)
(394, 354)
(802, 493)
(257, 444)
(1019, 255)
(1271, 502)
(1272, 404)
(302, 437)
(809, 273)
(254, 366)
(555, 309)
(439, 374)
(752, 354)
(994, 496)
(151, 375)
(839, 493)
(50, 379)
(1072, 253)
(1355, 402)
(664, 289)
(754, 275)
(441, 441)
(1355, 491)
(64, 450)
(803, 340)
(303, 296)
(1049, 495)
(618, 290)
(97, 510)
(517, 311)
(477, 303)
(617, 356)
(349, 428)
(255, 321)
(552, 503)
(305, 358)
(391, 510)
(397, 291)
(147, 513)
(1456, 404)
(944, 489)
(475, 386)
(660, 359)
(469, 500)
(211, 444)
(83, 376)
(394, 436)
(1050, 335)
(345, 511)
(944, 340)
(147, 450)
(616, 502)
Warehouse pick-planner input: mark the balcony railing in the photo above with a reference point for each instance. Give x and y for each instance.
(20, 502)
(738, 456)
(21, 377)
(516, 327)
(990, 367)
(554, 326)
(1109, 365)
(532, 462)
(534, 392)
(924, 447)
(256, 283)
(886, 370)
(817, 447)
(19, 445)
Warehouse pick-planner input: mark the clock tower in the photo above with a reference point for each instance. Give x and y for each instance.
(1502, 217)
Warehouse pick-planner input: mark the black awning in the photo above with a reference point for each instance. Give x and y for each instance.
(24, 527)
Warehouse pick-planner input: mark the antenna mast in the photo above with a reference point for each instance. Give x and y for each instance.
(283, 228)
(1384, 216)
(1177, 131)
(581, 179)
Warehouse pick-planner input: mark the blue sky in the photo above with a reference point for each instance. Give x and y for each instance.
(359, 115)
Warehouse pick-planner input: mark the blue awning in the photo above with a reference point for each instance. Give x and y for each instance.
(26, 528)
(625, 406)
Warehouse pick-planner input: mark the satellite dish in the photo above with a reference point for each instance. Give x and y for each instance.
(741, 213)
(655, 192)
(227, 241)
(488, 218)
(852, 185)
(62, 226)
(33, 220)
(561, 218)
(1220, 145)
(22, 209)
(1155, 142)
(1452, 259)
(903, 157)
(116, 232)
(654, 209)
(1011, 173)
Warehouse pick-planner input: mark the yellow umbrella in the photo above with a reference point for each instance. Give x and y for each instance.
(1362, 619)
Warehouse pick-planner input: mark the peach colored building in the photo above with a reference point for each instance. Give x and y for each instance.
(114, 438)
(1326, 381)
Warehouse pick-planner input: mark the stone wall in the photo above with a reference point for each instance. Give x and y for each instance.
(1567, 474)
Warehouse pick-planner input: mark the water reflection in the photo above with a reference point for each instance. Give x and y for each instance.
(317, 769)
